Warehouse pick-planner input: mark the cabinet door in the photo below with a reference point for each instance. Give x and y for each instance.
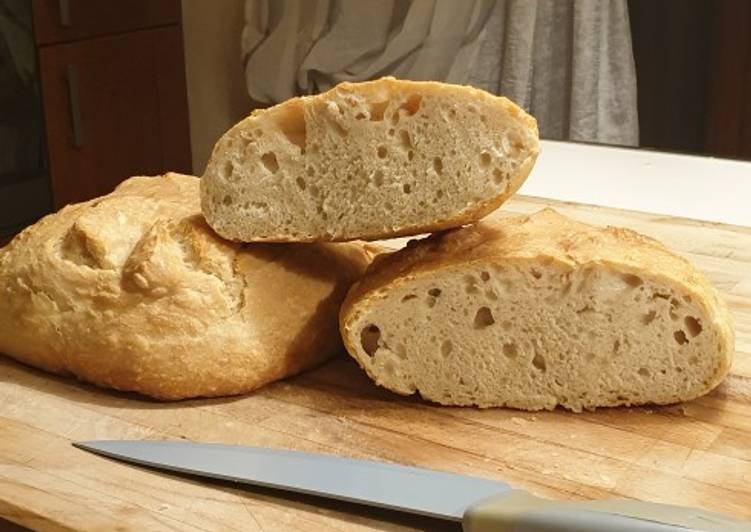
(114, 107)
(729, 116)
(71, 20)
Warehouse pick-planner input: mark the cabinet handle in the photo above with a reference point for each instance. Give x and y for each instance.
(64, 6)
(71, 76)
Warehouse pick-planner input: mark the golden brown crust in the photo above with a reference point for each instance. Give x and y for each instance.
(544, 237)
(291, 113)
(134, 291)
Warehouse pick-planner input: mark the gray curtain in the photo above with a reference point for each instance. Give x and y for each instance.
(569, 62)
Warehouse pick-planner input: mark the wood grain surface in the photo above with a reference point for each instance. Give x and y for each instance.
(697, 453)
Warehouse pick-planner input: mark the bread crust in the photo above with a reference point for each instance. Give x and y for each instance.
(133, 291)
(549, 238)
(387, 87)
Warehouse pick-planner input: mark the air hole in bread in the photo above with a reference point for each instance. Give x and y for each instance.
(408, 297)
(616, 347)
(412, 104)
(435, 292)
(401, 351)
(510, 350)
(439, 194)
(693, 325)
(410, 155)
(658, 295)
(438, 165)
(535, 273)
(407, 188)
(498, 176)
(405, 140)
(649, 317)
(446, 347)
(485, 276)
(378, 178)
(674, 304)
(483, 318)
(377, 110)
(301, 183)
(632, 280)
(370, 337)
(644, 372)
(227, 169)
(566, 288)
(269, 162)
(360, 116)
(485, 160)
(292, 125)
(314, 191)
(680, 337)
(539, 362)
(382, 152)
(483, 119)
(227, 200)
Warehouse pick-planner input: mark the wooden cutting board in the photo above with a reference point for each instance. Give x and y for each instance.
(697, 454)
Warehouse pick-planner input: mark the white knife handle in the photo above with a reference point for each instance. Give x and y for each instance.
(517, 511)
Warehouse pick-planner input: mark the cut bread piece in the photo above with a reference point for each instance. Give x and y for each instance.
(368, 161)
(537, 311)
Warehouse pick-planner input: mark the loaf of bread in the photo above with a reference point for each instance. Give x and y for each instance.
(537, 311)
(368, 161)
(134, 291)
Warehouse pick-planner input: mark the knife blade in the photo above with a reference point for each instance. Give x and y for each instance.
(480, 504)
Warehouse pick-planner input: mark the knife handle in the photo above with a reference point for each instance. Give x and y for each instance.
(518, 511)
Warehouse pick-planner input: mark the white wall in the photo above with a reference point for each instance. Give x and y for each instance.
(217, 97)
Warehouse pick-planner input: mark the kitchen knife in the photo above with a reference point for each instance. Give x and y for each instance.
(481, 505)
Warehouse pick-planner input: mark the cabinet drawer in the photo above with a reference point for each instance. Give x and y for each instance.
(115, 107)
(68, 20)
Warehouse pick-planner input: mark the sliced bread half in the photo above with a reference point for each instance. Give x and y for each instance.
(537, 311)
(368, 161)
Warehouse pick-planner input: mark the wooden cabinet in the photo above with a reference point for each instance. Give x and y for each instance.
(68, 20)
(116, 104)
(693, 65)
(729, 116)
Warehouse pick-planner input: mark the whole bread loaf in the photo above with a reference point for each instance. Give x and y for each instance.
(537, 311)
(368, 161)
(134, 291)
